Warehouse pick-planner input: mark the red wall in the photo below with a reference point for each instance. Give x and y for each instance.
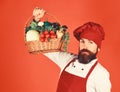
(24, 72)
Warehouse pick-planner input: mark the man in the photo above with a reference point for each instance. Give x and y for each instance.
(83, 72)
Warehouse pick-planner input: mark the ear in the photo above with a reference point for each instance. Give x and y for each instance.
(98, 49)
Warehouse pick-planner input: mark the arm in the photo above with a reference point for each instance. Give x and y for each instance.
(60, 58)
(102, 81)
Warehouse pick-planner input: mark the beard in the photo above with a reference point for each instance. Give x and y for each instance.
(85, 56)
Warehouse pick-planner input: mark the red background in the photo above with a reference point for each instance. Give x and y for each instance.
(24, 72)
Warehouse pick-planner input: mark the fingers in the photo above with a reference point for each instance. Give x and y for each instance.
(38, 13)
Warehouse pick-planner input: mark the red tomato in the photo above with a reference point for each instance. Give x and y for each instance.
(47, 35)
(46, 32)
(42, 39)
(42, 35)
(53, 36)
(46, 39)
(51, 32)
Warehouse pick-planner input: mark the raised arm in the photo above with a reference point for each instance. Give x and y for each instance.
(60, 58)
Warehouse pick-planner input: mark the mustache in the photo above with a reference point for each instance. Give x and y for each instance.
(86, 58)
(85, 50)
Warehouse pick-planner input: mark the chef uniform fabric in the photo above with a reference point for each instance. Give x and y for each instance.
(98, 80)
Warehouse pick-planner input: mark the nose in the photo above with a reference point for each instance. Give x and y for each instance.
(84, 45)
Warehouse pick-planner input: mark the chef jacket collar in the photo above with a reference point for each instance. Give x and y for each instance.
(78, 64)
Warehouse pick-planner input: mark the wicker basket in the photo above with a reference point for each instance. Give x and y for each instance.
(37, 46)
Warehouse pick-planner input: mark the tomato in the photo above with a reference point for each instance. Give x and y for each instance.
(53, 36)
(46, 32)
(42, 39)
(47, 35)
(42, 35)
(52, 32)
(46, 39)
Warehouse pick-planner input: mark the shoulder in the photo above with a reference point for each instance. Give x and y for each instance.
(67, 54)
(66, 57)
(101, 69)
(100, 78)
(100, 73)
(61, 58)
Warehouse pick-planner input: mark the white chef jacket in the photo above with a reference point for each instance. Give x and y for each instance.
(98, 81)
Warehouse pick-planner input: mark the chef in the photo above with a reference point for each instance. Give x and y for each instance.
(83, 72)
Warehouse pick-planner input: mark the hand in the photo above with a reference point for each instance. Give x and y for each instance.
(38, 13)
(59, 34)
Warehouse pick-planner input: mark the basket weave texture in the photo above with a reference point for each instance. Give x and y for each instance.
(38, 46)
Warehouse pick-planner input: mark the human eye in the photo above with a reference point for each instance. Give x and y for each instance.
(81, 41)
(91, 42)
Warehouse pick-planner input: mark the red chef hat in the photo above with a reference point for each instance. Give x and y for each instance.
(91, 31)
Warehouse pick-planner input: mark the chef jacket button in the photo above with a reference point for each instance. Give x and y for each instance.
(82, 69)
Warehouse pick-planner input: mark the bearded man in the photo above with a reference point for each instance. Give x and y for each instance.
(83, 72)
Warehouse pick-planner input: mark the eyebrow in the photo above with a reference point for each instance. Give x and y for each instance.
(81, 39)
(91, 40)
(87, 39)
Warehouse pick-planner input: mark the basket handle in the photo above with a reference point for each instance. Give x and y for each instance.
(52, 15)
(46, 13)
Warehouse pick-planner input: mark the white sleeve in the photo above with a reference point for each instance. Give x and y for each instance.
(60, 58)
(102, 81)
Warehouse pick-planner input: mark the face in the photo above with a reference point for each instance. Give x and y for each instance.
(88, 50)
